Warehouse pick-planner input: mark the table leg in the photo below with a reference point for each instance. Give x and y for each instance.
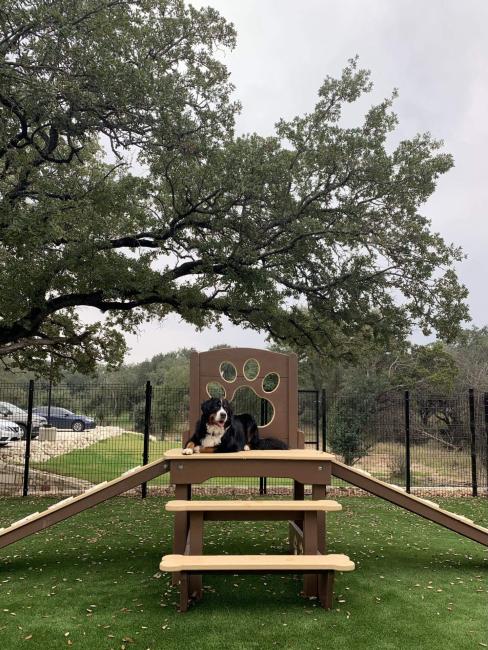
(180, 530)
(317, 543)
(319, 492)
(326, 589)
(196, 548)
(310, 547)
(180, 533)
(183, 580)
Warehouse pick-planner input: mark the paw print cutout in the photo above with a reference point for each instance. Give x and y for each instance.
(270, 382)
(215, 389)
(248, 395)
(251, 369)
(228, 371)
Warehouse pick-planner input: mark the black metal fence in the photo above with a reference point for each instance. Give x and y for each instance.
(432, 443)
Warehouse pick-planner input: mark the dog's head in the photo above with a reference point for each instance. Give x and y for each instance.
(217, 411)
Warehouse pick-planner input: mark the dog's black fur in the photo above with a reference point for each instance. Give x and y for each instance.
(239, 432)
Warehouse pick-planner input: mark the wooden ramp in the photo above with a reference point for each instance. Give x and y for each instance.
(397, 495)
(73, 505)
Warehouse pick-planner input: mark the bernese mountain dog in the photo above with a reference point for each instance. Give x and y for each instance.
(220, 431)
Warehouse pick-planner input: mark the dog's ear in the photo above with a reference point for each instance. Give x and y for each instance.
(228, 407)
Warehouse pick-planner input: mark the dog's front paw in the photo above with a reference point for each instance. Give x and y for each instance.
(188, 450)
(196, 450)
(247, 448)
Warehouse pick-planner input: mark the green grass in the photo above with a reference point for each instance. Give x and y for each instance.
(93, 582)
(109, 458)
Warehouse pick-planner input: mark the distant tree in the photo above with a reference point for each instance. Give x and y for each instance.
(470, 352)
(313, 235)
(424, 368)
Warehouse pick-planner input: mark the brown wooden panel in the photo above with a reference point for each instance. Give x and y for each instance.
(292, 402)
(308, 472)
(205, 368)
(195, 400)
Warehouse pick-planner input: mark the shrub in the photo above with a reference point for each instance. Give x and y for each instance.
(349, 437)
(168, 413)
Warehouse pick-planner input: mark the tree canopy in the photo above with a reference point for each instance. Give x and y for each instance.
(313, 234)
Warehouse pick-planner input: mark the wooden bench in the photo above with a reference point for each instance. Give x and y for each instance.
(302, 515)
(322, 565)
(275, 505)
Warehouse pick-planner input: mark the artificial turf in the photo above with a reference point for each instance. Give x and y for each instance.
(93, 582)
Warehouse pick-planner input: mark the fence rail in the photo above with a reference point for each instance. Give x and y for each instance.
(432, 443)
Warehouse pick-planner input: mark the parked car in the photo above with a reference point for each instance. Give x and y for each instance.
(19, 416)
(64, 419)
(8, 431)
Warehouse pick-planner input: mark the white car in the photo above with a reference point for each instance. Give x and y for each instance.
(18, 416)
(8, 431)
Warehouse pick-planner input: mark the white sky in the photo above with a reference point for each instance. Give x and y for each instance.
(434, 52)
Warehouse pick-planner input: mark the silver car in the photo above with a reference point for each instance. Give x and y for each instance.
(8, 431)
(19, 416)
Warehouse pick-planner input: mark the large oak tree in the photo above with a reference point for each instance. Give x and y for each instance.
(313, 234)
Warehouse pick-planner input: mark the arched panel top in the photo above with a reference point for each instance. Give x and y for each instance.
(268, 360)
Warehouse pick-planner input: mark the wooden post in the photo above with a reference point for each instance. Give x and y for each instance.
(194, 412)
(326, 589)
(183, 592)
(196, 548)
(292, 401)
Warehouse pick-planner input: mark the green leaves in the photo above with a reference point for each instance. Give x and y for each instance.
(312, 234)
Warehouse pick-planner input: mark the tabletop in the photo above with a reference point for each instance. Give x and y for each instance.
(282, 454)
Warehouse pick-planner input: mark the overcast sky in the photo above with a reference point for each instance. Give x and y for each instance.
(434, 52)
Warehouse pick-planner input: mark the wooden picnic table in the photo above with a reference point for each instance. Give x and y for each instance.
(303, 466)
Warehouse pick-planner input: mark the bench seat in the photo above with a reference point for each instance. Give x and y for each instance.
(264, 563)
(323, 565)
(320, 505)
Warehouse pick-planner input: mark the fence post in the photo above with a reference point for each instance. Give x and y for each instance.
(485, 404)
(147, 427)
(472, 427)
(25, 488)
(407, 441)
(324, 420)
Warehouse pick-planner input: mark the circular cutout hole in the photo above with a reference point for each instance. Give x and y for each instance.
(271, 382)
(245, 400)
(251, 369)
(228, 371)
(214, 389)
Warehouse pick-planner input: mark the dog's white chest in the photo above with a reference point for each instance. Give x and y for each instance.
(213, 437)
